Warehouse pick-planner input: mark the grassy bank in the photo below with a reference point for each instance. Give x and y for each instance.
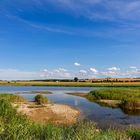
(12, 98)
(129, 97)
(14, 126)
(70, 84)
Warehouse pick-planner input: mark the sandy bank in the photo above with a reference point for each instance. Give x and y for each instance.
(49, 113)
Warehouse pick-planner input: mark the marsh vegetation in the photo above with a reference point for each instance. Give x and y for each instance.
(126, 98)
(15, 126)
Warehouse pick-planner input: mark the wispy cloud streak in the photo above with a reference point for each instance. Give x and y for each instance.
(123, 15)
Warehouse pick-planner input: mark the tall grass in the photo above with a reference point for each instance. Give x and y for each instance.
(135, 133)
(129, 97)
(116, 93)
(14, 126)
(12, 98)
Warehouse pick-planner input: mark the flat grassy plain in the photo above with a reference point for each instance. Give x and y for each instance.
(14, 126)
(70, 84)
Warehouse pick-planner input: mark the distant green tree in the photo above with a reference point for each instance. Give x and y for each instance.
(76, 79)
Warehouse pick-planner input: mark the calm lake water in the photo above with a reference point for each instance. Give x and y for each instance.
(105, 117)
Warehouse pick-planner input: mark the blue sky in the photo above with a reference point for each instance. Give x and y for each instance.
(68, 38)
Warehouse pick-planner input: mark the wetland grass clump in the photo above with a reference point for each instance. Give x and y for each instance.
(40, 99)
(15, 126)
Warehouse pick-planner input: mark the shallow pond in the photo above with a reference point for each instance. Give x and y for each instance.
(105, 117)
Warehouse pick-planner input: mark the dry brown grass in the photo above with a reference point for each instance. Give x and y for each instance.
(80, 84)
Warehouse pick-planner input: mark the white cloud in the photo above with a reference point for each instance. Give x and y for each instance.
(110, 74)
(113, 69)
(123, 73)
(60, 70)
(56, 74)
(132, 73)
(83, 71)
(133, 67)
(45, 70)
(133, 70)
(93, 70)
(77, 64)
(89, 73)
(82, 74)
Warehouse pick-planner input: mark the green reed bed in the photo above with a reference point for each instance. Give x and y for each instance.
(129, 97)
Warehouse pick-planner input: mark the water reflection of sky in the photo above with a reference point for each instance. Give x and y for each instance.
(104, 116)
